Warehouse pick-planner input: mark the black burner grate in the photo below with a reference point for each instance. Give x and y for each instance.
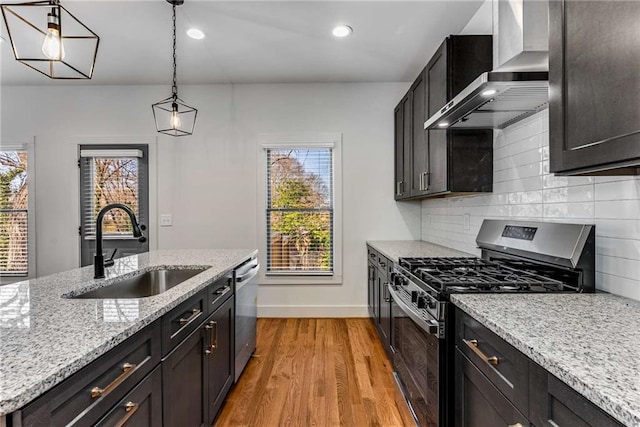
(475, 274)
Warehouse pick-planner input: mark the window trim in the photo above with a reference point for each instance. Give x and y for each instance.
(304, 140)
(29, 147)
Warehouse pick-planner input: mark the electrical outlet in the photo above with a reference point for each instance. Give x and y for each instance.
(166, 220)
(467, 221)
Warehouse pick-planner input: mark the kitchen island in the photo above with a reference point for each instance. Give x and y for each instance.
(588, 341)
(45, 336)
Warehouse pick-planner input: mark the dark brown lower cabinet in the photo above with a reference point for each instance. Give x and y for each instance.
(221, 360)
(198, 373)
(184, 377)
(142, 407)
(478, 403)
(494, 379)
(555, 404)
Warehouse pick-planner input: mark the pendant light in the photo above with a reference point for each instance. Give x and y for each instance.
(174, 117)
(39, 40)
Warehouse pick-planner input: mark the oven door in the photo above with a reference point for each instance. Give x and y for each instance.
(416, 362)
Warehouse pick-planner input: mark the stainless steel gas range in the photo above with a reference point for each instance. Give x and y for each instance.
(516, 257)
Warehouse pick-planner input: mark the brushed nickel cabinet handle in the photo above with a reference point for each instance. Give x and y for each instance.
(398, 189)
(127, 369)
(130, 409)
(473, 345)
(214, 344)
(194, 313)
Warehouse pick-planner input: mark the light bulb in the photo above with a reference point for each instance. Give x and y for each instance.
(175, 121)
(52, 46)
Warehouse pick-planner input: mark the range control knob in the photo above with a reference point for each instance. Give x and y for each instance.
(414, 296)
(432, 303)
(422, 302)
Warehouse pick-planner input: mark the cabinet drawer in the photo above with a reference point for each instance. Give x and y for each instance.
(500, 362)
(141, 407)
(85, 397)
(182, 320)
(219, 292)
(478, 403)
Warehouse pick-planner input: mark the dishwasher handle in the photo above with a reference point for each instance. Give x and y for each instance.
(249, 274)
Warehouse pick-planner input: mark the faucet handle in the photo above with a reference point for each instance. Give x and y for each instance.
(109, 262)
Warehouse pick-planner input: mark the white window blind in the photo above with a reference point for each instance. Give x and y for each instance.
(14, 214)
(109, 179)
(299, 211)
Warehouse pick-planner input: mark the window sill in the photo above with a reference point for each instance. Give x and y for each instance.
(289, 279)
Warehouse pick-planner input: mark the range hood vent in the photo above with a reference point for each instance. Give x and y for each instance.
(494, 100)
(518, 86)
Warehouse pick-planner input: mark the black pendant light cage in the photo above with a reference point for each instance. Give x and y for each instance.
(172, 115)
(46, 37)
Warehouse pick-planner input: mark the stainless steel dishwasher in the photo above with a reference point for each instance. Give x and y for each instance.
(246, 283)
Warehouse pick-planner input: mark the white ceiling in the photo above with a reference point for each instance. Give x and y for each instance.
(259, 41)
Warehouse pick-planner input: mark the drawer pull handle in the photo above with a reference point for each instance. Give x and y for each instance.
(130, 408)
(473, 345)
(194, 313)
(127, 369)
(222, 291)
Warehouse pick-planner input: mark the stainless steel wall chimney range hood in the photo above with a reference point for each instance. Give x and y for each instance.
(519, 84)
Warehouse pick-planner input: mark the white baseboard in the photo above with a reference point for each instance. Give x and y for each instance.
(313, 311)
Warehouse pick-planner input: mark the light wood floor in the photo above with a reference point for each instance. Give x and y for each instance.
(316, 372)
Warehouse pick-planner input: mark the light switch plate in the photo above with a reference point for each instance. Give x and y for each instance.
(166, 220)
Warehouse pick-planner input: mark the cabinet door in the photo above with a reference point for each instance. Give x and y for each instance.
(142, 407)
(436, 74)
(419, 149)
(477, 402)
(594, 78)
(402, 121)
(398, 124)
(184, 382)
(384, 319)
(555, 404)
(370, 288)
(220, 332)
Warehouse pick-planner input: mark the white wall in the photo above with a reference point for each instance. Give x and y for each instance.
(208, 181)
(524, 189)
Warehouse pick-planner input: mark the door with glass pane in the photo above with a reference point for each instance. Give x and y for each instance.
(113, 174)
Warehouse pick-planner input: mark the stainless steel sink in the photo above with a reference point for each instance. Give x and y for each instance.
(145, 284)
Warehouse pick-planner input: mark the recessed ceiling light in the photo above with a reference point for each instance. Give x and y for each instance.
(195, 33)
(342, 31)
(488, 92)
(443, 124)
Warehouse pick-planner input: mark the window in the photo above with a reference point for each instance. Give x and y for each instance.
(112, 174)
(300, 211)
(14, 214)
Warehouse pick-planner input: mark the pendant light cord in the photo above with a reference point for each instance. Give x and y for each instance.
(174, 89)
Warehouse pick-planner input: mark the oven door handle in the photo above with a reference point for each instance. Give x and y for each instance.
(429, 326)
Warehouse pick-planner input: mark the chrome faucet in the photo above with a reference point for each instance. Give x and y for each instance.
(99, 261)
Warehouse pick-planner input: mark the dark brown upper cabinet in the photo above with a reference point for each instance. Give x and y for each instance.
(402, 138)
(594, 80)
(443, 162)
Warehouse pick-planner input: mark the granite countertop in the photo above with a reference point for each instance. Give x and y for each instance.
(44, 338)
(589, 341)
(394, 249)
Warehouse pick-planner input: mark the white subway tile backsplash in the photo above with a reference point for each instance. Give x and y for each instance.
(618, 209)
(618, 190)
(524, 189)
